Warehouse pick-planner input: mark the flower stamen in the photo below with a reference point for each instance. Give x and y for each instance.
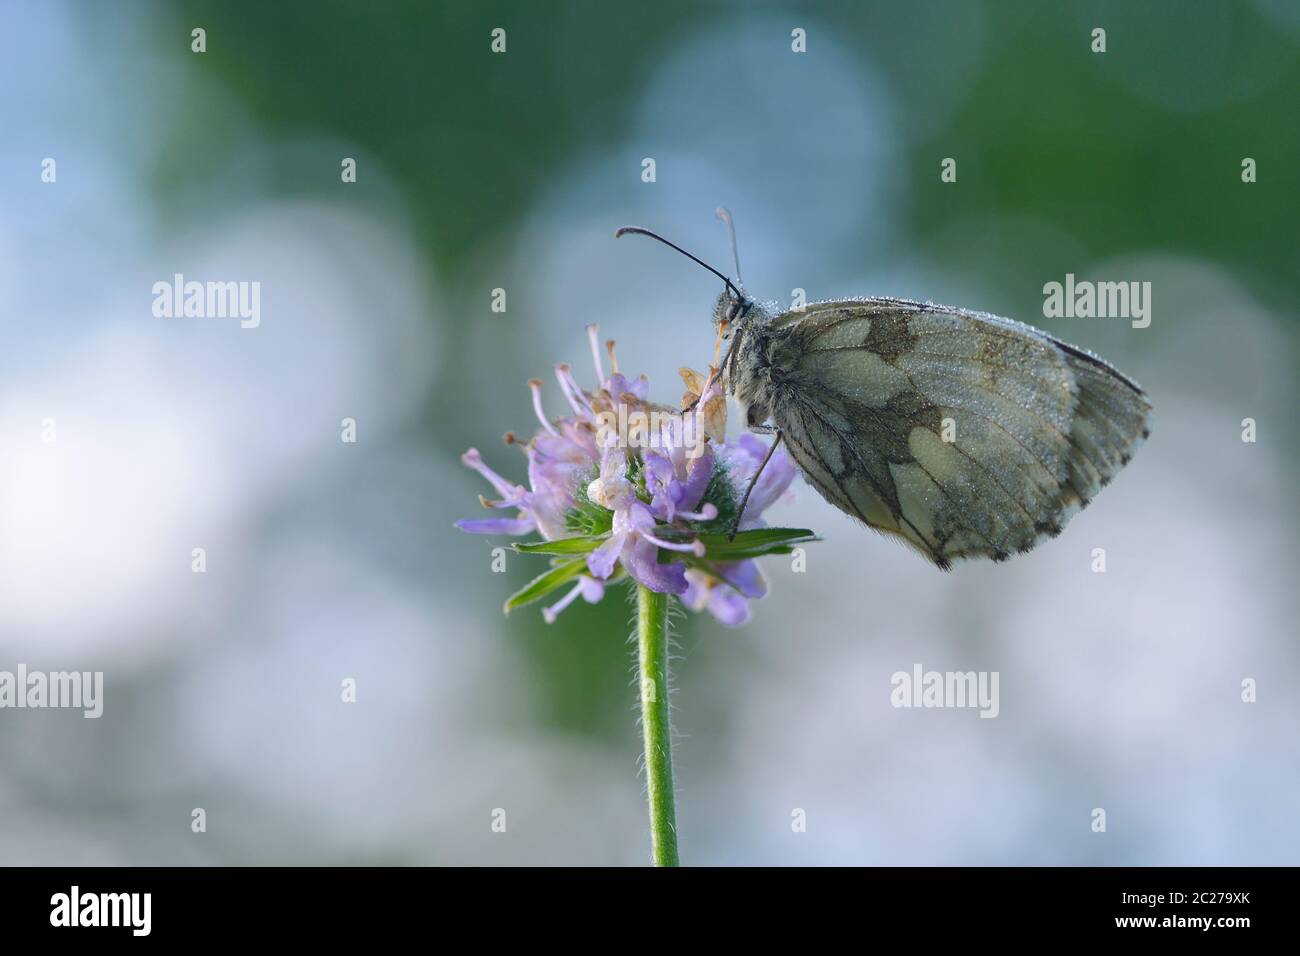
(549, 614)
(595, 351)
(707, 513)
(535, 386)
(695, 547)
(572, 390)
(472, 459)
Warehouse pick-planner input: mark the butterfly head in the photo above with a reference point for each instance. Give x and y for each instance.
(731, 309)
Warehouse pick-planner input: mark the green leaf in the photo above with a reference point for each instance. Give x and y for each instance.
(578, 544)
(755, 543)
(544, 584)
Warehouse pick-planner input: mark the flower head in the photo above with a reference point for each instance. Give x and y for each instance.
(621, 486)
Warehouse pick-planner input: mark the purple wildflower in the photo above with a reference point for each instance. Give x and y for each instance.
(640, 473)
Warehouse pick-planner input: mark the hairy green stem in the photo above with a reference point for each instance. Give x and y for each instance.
(652, 648)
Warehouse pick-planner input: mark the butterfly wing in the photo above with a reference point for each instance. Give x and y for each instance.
(964, 434)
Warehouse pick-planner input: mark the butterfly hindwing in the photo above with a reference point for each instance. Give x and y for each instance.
(962, 433)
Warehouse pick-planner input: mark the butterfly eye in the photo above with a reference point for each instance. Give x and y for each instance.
(738, 309)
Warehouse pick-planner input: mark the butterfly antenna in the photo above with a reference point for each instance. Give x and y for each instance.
(638, 231)
(724, 214)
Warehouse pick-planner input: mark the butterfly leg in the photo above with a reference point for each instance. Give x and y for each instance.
(740, 512)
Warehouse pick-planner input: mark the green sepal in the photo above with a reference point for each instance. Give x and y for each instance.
(560, 574)
(577, 544)
(754, 543)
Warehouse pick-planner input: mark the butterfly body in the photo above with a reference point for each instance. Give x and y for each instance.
(961, 433)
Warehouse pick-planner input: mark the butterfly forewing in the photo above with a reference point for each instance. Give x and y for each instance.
(962, 433)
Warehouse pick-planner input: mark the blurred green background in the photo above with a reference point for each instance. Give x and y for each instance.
(479, 171)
